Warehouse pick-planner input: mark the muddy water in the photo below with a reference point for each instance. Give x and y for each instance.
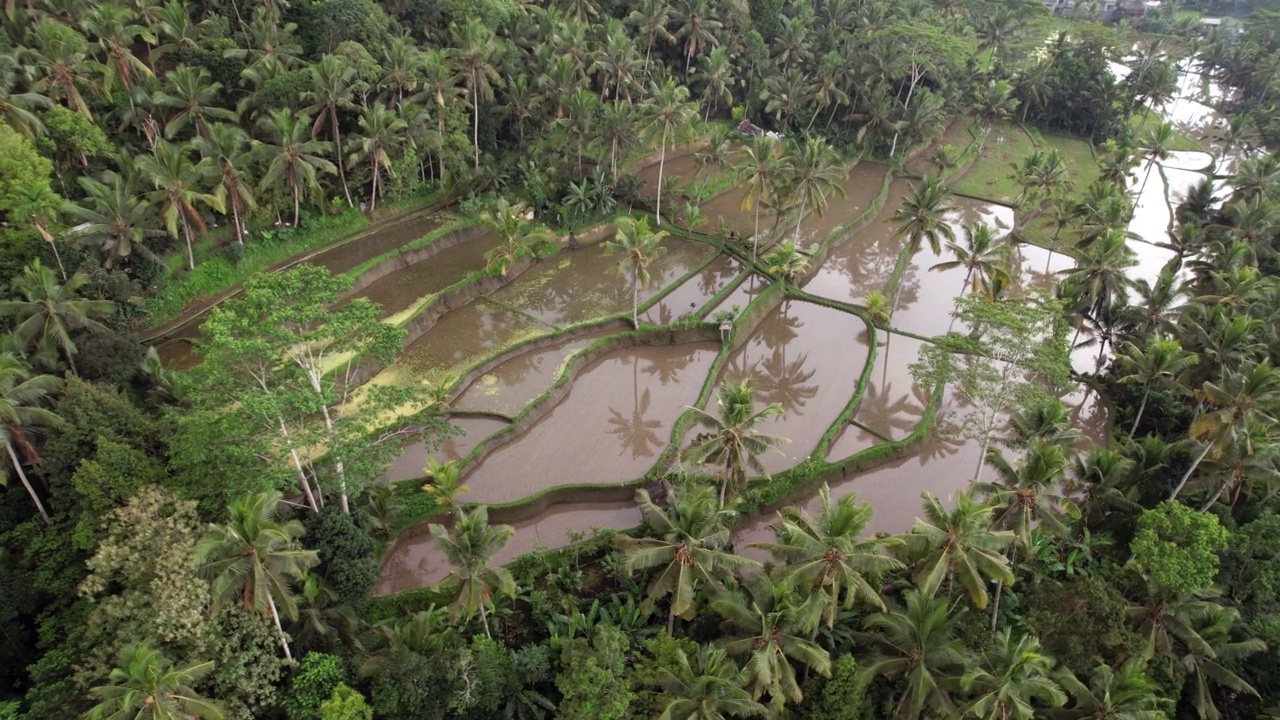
(1035, 267)
(683, 167)
(178, 355)
(725, 211)
(401, 289)
(742, 295)
(892, 404)
(415, 560)
(611, 427)
(860, 190)
(409, 465)
(584, 284)
(926, 296)
(510, 386)
(697, 291)
(807, 358)
(347, 256)
(941, 465)
(459, 340)
(862, 262)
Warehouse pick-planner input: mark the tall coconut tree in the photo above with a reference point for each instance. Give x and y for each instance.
(830, 554)
(192, 98)
(469, 550)
(146, 685)
(667, 114)
(923, 216)
(983, 255)
(45, 312)
(180, 190)
(1162, 362)
(639, 247)
(381, 131)
(293, 158)
(813, 171)
(21, 393)
(706, 686)
(115, 218)
(687, 545)
(225, 154)
(334, 83)
(255, 559)
(917, 646)
(760, 173)
(1242, 401)
(733, 441)
(769, 624)
(517, 237)
(17, 109)
(958, 545)
(1011, 680)
(475, 50)
(1123, 693)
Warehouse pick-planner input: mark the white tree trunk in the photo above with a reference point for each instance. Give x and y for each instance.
(22, 475)
(284, 639)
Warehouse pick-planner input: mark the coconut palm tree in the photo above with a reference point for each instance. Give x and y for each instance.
(639, 247)
(225, 154)
(115, 218)
(178, 193)
(516, 237)
(1012, 676)
(760, 172)
(469, 549)
(17, 108)
(960, 545)
(1126, 693)
(117, 34)
(333, 86)
(147, 686)
(650, 19)
(992, 102)
(768, 623)
(688, 544)
(46, 311)
(1209, 661)
(475, 49)
(21, 392)
(293, 158)
(983, 255)
(915, 645)
(1241, 401)
(667, 114)
(1023, 493)
(55, 57)
(1102, 478)
(1098, 279)
(381, 133)
(696, 28)
(786, 262)
(812, 171)
(255, 558)
(734, 442)
(708, 686)
(192, 96)
(716, 76)
(1163, 362)
(829, 555)
(923, 216)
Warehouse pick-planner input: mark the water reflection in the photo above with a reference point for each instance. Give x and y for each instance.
(610, 427)
(411, 461)
(510, 386)
(891, 403)
(863, 262)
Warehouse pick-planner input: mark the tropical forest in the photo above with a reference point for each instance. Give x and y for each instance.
(639, 359)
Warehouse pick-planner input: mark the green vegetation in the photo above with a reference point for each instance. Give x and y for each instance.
(205, 543)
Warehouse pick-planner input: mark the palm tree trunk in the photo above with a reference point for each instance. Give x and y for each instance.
(337, 145)
(1138, 418)
(475, 113)
(799, 220)
(671, 623)
(1214, 499)
(1190, 470)
(662, 162)
(233, 191)
(186, 234)
(635, 301)
(297, 202)
(373, 199)
(22, 475)
(755, 237)
(71, 362)
(275, 615)
(484, 620)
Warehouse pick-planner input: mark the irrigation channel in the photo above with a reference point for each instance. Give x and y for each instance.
(566, 410)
